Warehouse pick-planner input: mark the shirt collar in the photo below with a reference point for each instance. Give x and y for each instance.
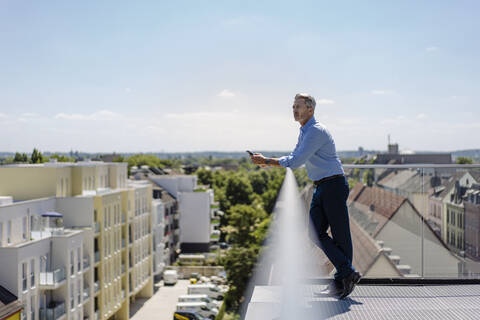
(307, 125)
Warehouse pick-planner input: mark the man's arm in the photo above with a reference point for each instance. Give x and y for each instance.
(262, 161)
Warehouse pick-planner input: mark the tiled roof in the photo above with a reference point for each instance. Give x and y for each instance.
(378, 200)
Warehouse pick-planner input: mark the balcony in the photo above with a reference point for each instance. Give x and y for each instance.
(400, 237)
(55, 311)
(86, 293)
(96, 315)
(124, 243)
(52, 280)
(97, 257)
(86, 262)
(124, 217)
(97, 227)
(123, 268)
(96, 286)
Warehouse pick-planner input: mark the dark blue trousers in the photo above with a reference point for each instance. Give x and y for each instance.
(329, 209)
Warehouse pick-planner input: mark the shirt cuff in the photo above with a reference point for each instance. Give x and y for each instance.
(284, 161)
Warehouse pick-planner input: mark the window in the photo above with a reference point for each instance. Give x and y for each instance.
(24, 276)
(72, 263)
(9, 232)
(32, 273)
(72, 299)
(32, 307)
(24, 228)
(79, 259)
(79, 292)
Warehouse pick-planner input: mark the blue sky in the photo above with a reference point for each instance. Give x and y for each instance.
(221, 75)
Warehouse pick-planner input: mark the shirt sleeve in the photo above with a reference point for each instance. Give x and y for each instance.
(312, 141)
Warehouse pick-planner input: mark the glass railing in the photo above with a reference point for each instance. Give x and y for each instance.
(52, 277)
(417, 218)
(123, 267)
(96, 286)
(86, 292)
(97, 227)
(97, 256)
(52, 313)
(123, 243)
(124, 217)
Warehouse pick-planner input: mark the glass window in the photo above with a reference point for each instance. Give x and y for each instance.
(79, 259)
(72, 299)
(32, 273)
(79, 292)
(24, 228)
(72, 263)
(32, 307)
(9, 232)
(24, 276)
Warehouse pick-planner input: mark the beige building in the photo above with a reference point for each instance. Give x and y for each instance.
(112, 217)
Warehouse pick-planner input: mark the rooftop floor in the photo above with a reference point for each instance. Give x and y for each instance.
(374, 302)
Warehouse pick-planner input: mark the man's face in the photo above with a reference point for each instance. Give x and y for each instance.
(301, 112)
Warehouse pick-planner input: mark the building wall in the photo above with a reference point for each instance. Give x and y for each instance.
(195, 217)
(472, 230)
(44, 181)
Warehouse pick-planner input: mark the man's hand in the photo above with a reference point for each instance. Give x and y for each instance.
(258, 159)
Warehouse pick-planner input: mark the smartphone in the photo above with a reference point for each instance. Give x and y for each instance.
(250, 153)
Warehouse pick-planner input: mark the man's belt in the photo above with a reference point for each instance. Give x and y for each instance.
(317, 182)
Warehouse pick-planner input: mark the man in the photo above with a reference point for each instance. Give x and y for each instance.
(316, 149)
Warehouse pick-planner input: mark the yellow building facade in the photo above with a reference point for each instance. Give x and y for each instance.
(121, 224)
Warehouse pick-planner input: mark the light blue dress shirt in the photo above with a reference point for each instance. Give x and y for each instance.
(316, 149)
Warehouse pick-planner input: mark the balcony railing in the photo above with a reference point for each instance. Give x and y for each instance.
(96, 286)
(86, 292)
(97, 256)
(123, 243)
(54, 312)
(97, 227)
(124, 217)
(52, 279)
(123, 267)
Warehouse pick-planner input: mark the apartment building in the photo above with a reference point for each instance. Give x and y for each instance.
(192, 226)
(158, 232)
(111, 216)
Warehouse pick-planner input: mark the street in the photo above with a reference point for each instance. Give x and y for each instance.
(161, 305)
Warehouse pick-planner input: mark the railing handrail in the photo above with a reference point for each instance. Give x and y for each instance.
(411, 166)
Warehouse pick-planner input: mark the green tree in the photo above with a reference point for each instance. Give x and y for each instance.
(464, 160)
(238, 263)
(37, 156)
(368, 177)
(205, 176)
(18, 157)
(238, 190)
(243, 220)
(259, 181)
(62, 158)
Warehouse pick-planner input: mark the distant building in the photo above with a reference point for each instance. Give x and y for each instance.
(472, 222)
(393, 153)
(393, 220)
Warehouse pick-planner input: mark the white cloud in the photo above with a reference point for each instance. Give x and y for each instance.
(3, 116)
(325, 101)
(380, 92)
(421, 116)
(29, 115)
(225, 93)
(431, 49)
(99, 115)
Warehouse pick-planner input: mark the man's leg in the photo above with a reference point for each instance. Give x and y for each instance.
(318, 234)
(335, 208)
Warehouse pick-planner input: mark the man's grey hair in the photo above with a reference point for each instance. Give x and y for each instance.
(309, 100)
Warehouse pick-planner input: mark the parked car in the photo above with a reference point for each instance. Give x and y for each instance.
(200, 308)
(209, 289)
(170, 277)
(211, 303)
(186, 315)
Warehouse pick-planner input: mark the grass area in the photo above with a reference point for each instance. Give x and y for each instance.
(215, 236)
(214, 221)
